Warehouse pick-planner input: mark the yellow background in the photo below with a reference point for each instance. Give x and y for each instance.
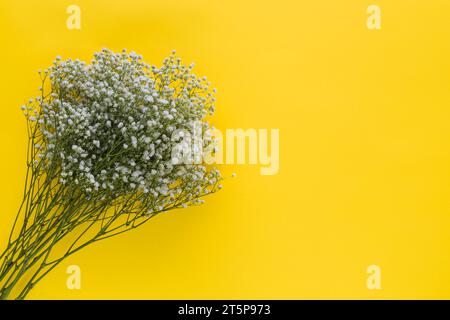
(364, 146)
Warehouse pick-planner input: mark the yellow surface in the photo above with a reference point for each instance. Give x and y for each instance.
(364, 119)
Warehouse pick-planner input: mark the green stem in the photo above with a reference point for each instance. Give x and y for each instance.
(5, 293)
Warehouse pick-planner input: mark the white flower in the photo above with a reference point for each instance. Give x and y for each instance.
(134, 142)
(108, 134)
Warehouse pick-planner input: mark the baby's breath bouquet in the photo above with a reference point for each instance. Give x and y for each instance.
(100, 158)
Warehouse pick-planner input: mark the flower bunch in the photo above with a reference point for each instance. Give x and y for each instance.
(101, 157)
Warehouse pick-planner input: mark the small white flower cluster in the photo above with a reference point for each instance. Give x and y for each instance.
(107, 126)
